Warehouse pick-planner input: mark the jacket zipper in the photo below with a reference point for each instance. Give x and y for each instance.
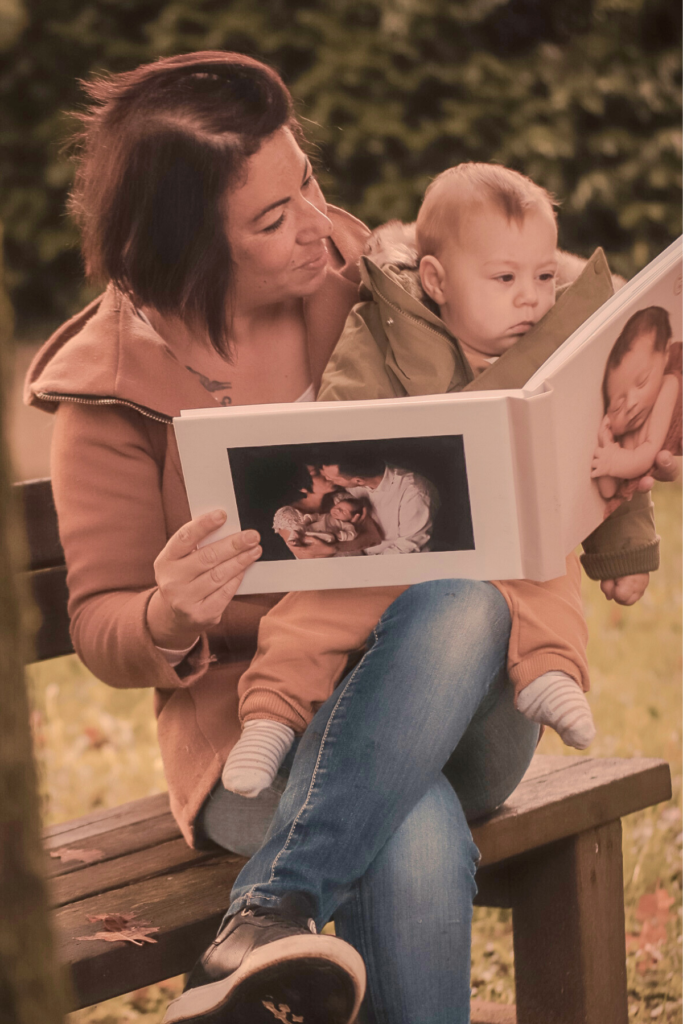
(45, 397)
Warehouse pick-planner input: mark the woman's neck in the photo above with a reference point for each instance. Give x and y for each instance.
(268, 355)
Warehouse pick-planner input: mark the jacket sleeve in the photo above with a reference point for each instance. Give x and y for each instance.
(107, 489)
(626, 543)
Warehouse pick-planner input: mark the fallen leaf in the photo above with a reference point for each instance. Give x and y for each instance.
(96, 737)
(135, 935)
(654, 905)
(652, 932)
(113, 922)
(84, 856)
(119, 929)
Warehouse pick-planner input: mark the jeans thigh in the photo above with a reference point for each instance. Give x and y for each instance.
(493, 753)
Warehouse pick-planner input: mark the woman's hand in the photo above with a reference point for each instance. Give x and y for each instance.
(196, 584)
(667, 469)
(626, 589)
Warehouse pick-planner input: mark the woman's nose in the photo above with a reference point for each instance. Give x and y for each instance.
(315, 224)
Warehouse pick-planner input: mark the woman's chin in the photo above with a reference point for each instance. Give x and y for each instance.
(311, 279)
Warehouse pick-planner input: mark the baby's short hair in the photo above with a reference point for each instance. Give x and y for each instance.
(651, 319)
(459, 188)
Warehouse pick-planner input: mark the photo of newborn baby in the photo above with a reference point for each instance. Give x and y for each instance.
(641, 392)
(339, 524)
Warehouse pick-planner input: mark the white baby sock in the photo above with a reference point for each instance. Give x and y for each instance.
(255, 759)
(557, 700)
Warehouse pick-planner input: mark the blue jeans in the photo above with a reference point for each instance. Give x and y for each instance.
(372, 824)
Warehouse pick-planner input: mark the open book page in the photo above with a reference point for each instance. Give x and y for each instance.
(361, 493)
(616, 396)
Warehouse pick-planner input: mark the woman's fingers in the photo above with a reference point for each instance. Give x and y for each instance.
(186, 539)
(222, 572)
(188, 576)
(667, 467)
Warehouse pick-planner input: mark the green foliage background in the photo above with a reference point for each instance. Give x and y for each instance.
(583, 95)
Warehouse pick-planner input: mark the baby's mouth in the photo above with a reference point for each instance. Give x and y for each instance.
(523, 327)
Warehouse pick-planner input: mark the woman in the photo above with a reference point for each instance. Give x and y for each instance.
(230, 281)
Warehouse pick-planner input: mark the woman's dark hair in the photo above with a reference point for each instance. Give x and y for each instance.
(652, 319)
(160, 146)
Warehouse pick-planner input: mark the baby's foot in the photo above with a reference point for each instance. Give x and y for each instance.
(557, 700)
(255, 759)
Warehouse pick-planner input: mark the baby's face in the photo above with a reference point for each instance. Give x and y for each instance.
(633, 386)
(342, 511)
(498, 278)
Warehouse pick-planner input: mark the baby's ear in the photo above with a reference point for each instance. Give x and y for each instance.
(432, 276)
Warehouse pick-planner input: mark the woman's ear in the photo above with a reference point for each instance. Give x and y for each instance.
(432, 276)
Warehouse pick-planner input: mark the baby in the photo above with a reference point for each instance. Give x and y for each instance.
(642, 400)
(487, 238)
(335, 525)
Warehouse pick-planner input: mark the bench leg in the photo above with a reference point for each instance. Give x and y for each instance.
(569, 933)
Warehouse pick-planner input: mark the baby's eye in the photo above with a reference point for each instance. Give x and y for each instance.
(549, 276)
(642, 382)
(275, 225)
(505, 278)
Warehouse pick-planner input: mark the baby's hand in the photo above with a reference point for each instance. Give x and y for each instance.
(605, 435)
(602, 460)
(626, 589)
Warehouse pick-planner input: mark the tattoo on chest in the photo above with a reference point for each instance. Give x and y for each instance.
(214, 385)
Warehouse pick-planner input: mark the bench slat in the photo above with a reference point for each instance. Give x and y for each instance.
(590, 792)
(96, 879)
(559, 796)
(51, 595)
(106, 819)
(122, 842)
(40, 516)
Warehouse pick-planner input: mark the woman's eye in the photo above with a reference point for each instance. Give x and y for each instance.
(274, 226)
(309, 180)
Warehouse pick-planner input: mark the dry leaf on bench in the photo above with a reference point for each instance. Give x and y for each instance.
(84, 856)
(119, 929)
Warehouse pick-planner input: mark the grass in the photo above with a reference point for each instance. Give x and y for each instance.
(96, 748)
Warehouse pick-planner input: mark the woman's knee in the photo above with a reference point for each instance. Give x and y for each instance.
(475, 603)
(463, 611)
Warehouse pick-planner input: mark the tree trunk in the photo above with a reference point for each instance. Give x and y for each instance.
(30, 984)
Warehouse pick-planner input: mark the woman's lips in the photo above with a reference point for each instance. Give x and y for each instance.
(316, 263)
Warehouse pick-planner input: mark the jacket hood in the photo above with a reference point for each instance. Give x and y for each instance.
(107, 354)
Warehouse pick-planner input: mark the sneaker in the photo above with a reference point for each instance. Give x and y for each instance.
(266, 966)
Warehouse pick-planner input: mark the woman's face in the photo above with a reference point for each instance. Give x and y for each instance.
(277, 225)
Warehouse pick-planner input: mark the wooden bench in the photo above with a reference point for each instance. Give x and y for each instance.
(552, 853)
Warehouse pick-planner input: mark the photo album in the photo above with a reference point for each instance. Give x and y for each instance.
(487, 485)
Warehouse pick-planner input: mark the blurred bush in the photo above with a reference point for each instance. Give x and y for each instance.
(583, 96)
